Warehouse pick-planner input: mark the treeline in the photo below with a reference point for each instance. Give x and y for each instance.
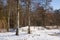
(39, 18)
(40, 14)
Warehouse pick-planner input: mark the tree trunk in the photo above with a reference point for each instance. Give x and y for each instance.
(17, 29)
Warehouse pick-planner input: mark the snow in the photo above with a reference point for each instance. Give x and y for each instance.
(37, 33)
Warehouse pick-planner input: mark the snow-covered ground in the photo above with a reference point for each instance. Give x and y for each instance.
(37, 33)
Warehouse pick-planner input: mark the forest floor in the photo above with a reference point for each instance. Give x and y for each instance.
(37, 33)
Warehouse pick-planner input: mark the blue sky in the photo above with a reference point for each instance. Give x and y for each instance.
(55, 4)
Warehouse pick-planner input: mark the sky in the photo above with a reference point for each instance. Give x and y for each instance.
(55, 4)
